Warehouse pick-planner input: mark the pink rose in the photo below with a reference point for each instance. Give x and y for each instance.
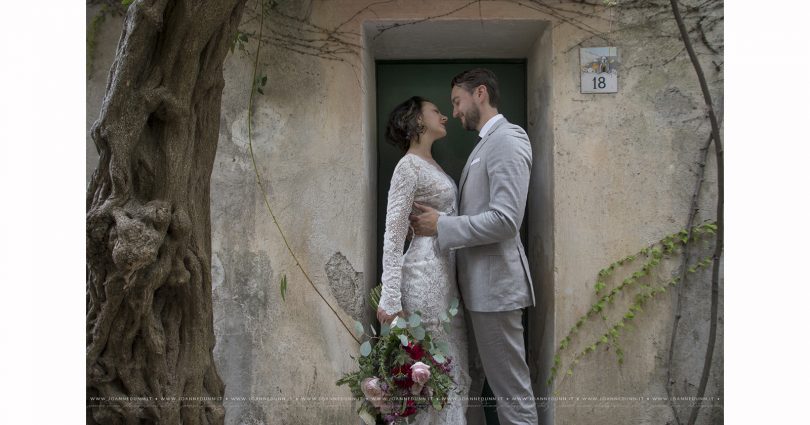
(371, 389)
(420, 373)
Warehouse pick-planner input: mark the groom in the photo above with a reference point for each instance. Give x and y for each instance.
(493, 272)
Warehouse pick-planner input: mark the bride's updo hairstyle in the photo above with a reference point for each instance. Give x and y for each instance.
(403, 123)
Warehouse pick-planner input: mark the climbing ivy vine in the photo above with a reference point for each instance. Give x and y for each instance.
(642, 278)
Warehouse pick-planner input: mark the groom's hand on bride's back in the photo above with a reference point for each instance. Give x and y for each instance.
(424, 220)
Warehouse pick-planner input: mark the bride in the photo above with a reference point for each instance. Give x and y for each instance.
(423, 278)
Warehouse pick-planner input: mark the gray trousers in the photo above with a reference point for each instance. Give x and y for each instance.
(499, 341)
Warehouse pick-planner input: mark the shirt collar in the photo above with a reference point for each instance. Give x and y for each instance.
(489, 125)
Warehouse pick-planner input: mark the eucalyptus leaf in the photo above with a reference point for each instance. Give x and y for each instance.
(414, 320)
(402, 323)
(404, 340)
(443, 317)
(453, 311)
(443, 346)
(454, 303)
(358, 327)
(365, 349)
(418, 333)
(283, 287)
(439, 358)
(385, 329)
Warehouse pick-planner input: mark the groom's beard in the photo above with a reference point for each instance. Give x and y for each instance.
(471, 119)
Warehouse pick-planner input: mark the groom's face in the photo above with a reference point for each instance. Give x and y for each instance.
(464, 108)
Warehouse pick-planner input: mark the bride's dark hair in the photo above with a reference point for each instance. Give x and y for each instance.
(403, 123)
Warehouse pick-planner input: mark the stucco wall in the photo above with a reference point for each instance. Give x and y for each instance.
(624, 169)
(612, 174)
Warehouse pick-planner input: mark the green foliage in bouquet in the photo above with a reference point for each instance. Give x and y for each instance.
(402, 369)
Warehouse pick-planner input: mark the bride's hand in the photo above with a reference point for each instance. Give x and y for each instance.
(384, 317)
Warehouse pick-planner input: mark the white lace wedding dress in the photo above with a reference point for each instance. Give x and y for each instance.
(424, 278)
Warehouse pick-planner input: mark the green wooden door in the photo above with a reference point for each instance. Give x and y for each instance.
(399, 80)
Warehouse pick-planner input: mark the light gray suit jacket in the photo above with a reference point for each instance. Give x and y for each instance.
(493, 272)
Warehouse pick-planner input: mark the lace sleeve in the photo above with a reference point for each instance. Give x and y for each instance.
(400, 202)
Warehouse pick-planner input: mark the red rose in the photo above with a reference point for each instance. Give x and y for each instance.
(415, 351)
(410, 408)
(402, 376)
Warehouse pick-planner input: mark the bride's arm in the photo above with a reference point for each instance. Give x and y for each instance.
(400, 199)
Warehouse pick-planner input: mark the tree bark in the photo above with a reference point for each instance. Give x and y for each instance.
(149, 307)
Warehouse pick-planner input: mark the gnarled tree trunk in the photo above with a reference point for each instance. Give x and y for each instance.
(149, 314)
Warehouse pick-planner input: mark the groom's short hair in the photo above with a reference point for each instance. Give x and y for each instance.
(472, 78)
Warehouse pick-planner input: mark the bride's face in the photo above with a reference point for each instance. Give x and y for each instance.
(433, 120)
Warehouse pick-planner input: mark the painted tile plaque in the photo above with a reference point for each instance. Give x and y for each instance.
(599, 68)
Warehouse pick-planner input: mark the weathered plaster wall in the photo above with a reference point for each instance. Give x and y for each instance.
(624, 168)
(309, 149)
(612, 174)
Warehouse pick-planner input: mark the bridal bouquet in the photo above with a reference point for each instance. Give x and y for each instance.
(402, 370)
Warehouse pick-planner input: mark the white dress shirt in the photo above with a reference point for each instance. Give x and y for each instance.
(489, 125)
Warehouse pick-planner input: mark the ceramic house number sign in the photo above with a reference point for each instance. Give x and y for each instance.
(599, 69)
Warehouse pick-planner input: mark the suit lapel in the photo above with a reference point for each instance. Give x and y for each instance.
(466, 169)
(475, 151)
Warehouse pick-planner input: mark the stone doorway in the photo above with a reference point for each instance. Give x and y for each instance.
(526, 40)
